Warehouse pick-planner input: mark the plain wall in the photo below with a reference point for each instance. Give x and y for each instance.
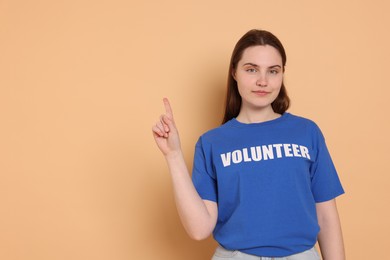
(81, 84)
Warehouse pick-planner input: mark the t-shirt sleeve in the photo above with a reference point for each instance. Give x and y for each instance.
(203, 174)
(326, 184)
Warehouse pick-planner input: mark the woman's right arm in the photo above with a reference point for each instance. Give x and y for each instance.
(198, 216)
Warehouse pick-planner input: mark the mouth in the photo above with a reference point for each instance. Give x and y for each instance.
(260, 92)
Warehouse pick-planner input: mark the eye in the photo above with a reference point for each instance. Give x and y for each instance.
(251, 70)
(274, 71)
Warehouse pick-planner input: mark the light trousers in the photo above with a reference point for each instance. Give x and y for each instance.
(224, 254)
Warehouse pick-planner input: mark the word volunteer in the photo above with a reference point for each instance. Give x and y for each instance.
(264, 152)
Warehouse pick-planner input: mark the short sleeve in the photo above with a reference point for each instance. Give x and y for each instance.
(326, 184)
(203, 175)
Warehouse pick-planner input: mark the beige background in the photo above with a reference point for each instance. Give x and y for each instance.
(81, 84)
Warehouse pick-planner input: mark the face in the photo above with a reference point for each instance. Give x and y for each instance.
(259, 76)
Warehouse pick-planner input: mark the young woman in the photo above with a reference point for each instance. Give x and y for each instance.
(263, 182)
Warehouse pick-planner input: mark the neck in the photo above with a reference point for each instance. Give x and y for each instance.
(258, 116)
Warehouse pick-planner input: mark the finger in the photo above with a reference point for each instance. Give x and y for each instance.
(160, 124)
(159, 131)
(163, 127)
(169, 123)
(168, 108)
(164, 124)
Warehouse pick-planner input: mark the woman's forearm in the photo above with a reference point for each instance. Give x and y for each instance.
(198, 216)
(330, 237)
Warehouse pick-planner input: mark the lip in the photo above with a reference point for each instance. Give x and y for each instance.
(260, 92)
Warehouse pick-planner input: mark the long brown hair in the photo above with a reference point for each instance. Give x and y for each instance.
(233, 98)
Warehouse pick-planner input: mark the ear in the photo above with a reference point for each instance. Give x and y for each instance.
(234, 74)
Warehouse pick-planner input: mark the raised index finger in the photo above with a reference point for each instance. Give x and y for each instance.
(168, 108)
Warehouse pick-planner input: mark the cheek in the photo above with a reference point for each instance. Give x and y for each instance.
(240, 88)
(243, 86)
(278, 82)
(244, 82)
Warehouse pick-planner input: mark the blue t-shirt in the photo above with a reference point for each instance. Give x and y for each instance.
(266, 178)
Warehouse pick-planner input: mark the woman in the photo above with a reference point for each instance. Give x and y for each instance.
(263, 182)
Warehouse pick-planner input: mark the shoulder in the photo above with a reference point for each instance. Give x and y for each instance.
(303, 121)
(217, 133)
(311, 129)
(217, 130)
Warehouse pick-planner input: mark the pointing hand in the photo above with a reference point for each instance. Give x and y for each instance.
(165, 132)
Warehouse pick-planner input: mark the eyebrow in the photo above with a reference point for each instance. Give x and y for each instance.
(255, 65)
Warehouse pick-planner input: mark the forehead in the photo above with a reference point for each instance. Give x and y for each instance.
(261, 55)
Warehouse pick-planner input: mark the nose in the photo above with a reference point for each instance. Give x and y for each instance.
(262, 81)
